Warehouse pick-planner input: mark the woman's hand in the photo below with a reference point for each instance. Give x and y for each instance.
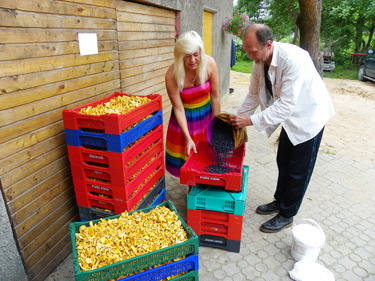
(190, 145)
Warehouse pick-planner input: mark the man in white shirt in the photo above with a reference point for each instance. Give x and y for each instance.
(290, 92)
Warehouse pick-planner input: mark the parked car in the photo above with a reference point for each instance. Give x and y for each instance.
(329, 64)
(366, 66)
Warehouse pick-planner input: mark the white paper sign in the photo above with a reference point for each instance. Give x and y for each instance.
(88, 44)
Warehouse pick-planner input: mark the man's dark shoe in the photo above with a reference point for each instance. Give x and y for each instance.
(270, 208)
(276, 224)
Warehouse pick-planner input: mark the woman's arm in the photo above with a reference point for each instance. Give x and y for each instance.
(213, 76)
(178, 109)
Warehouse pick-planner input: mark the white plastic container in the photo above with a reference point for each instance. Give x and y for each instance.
(307, 239)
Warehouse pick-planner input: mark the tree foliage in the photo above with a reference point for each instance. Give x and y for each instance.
(288, 17)
(346, 25)
(349, 22)
(278, 15)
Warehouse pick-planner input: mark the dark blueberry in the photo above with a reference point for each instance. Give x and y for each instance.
(222, 137)
(218, 169)
(222, 141)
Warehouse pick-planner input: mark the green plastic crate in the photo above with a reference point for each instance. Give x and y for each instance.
(190, 246)
(215, 198)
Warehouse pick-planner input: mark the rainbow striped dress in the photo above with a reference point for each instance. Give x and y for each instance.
(198, 111)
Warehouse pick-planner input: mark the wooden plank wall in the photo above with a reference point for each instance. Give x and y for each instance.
(146, 41)
(41, 73)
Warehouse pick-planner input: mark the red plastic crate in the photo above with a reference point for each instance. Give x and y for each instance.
(119, 204)
(116, 160)
(121, 177)
(221, 224)
(120, 193)
(88, 214)
(216, 230)
(127, 187)
(110, 123)
(192, 172)
(204, 216)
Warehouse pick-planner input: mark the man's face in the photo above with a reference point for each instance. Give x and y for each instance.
(255, 50)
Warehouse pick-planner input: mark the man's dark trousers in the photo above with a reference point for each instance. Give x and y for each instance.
(295, 164)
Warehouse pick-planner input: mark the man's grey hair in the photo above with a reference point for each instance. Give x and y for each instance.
(262, 32)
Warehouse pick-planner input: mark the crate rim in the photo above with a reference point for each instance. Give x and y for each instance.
(197, 199)
(113, 95)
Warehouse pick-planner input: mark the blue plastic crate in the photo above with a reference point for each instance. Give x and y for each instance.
(161, 272)
(190, 276)
(161, 197)
(215, 198)
(109, 142)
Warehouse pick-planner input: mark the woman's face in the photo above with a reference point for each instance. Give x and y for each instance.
(192, 61)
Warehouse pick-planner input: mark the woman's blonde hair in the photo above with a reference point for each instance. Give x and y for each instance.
(188, 43)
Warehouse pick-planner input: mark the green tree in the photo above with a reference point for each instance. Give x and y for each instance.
(290, 16)
(346, 25)
(278, 15)
(347, 22)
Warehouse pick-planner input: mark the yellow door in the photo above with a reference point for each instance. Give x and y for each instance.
(207, 32)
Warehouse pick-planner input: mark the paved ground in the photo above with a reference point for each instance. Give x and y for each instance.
(339, 198)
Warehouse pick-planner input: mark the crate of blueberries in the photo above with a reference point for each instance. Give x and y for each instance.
(204, 167)
(219, 160)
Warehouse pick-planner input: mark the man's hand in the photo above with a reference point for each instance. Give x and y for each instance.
(240, 121)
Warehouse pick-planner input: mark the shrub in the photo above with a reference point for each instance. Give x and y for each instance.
(241, 55)
(236, 25)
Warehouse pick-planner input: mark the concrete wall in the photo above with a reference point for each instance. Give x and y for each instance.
(11, 267)
(192, 19)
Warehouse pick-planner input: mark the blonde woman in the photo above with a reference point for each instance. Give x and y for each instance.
(192, 84)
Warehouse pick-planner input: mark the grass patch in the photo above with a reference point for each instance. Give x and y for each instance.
(341, 72)
(245, 66)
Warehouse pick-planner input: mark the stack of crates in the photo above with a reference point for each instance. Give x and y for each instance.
(216, 214)
(117, 160)
(216, 203)
(181, 260)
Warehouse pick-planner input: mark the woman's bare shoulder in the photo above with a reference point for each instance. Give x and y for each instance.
(170, 80)
(169, 75)
(209, 59)
(170, 70)
(211, 63)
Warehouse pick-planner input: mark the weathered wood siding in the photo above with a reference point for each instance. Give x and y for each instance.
(146, 41)
(42, 73)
